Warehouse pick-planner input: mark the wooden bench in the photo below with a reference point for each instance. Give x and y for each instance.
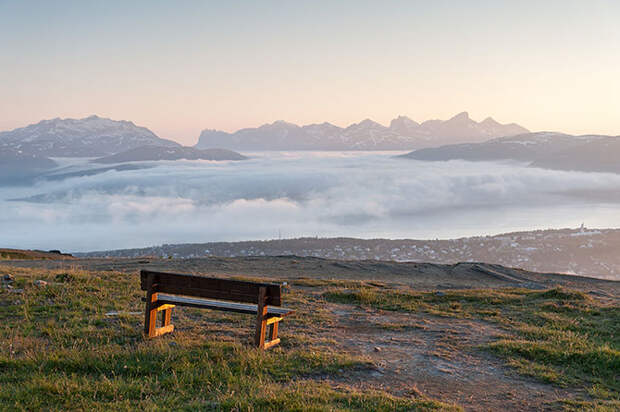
(164, 291)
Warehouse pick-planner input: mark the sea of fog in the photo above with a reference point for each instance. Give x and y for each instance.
(294, 194)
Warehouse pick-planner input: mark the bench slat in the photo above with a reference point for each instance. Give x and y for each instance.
(163, 299)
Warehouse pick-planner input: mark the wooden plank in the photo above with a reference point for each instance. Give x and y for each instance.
(274, 319)
(164, 299)
(208, 293)
(163, 330)
(271, 343)
(211, 287)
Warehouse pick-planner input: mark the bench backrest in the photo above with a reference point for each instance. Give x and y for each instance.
(211, 288)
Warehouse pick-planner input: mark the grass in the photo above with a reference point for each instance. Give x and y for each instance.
(60, 351)
(558, 336)
(16, 254)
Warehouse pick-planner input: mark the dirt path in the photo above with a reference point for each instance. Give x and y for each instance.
(435, 357)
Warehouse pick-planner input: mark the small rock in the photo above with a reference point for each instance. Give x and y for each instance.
(40, 283)
(377, 349)
(8, 278)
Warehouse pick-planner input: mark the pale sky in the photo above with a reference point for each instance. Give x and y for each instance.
(178, 67)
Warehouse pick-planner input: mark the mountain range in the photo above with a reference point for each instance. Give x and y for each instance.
(402, 134)
(549, 150)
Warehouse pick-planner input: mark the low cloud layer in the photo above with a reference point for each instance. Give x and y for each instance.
(301, 194)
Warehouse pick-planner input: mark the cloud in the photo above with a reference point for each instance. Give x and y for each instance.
(300, 194)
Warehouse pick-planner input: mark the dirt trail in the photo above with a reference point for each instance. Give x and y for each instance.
(436, 357)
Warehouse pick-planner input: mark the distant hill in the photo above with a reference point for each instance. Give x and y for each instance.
(15, 165)
(20, 254)
(89, 137)
(152, 153)
(588, 252)
(589, 153)
(402, 134)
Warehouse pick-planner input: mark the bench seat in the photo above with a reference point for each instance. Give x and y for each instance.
(249, 308)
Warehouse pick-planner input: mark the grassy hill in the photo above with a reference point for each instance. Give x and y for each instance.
(75, 343)
(19, 254)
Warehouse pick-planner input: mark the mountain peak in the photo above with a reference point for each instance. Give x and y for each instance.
(461, 116)
(490, 121)
(403, 120)
(368, 123)
(282, 123)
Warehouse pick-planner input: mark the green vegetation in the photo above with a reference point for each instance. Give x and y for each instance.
(17, 254)
(60, 351)
(559, 336)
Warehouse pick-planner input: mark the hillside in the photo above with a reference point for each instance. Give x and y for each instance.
(557, 151)
(380, 336)
(154, 153)
(19, 254)
(579, 251)
(16, 165)
(402, 134)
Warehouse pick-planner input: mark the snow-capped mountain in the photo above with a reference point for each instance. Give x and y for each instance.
(550, 150)
(88, 137)
(402, 134)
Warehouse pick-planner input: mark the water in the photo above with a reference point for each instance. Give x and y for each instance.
(293, 194)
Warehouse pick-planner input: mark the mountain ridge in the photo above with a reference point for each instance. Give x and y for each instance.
(156, 153)
(403, 133)
(548, 150)
(91, 136)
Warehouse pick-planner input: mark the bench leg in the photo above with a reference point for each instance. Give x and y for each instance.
(261, 319)
(150, 315)
(273, 335)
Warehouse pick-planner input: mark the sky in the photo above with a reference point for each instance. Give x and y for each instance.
(184, 66)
